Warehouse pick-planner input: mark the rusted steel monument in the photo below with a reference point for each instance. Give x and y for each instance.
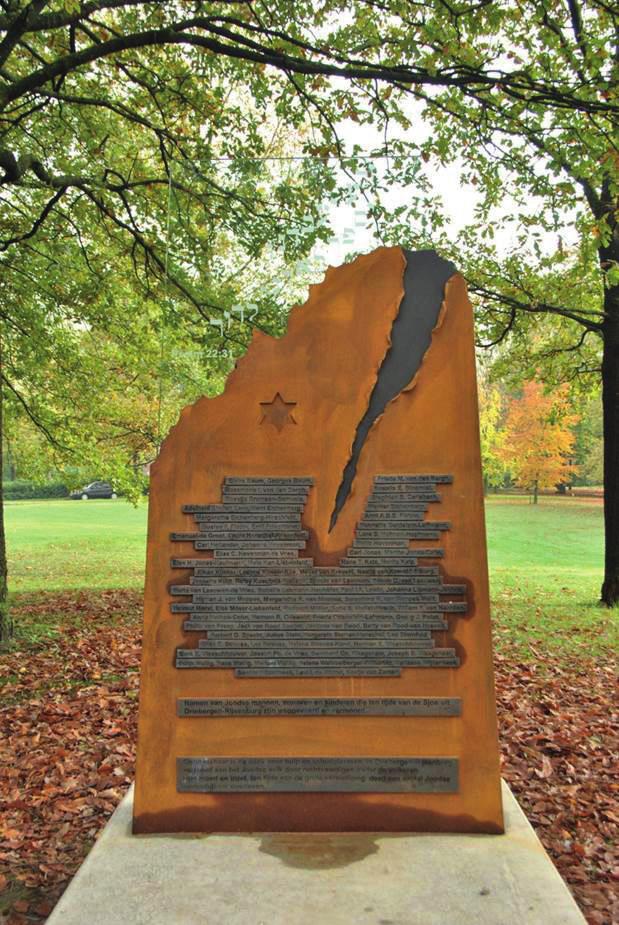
(317, 650)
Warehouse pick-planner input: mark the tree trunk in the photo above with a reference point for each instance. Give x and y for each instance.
(6, 625)
(610, 404)
(8, 464)
(609, 258)
(535, 490)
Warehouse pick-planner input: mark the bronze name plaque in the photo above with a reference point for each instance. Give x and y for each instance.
(288, 593)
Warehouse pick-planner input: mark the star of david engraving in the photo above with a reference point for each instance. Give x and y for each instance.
(278, 412)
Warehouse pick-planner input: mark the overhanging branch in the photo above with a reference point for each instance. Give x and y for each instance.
(234, 44)
(38, 222)
(516, 305)
(32, 414)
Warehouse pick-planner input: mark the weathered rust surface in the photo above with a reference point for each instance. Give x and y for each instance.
(291, 408)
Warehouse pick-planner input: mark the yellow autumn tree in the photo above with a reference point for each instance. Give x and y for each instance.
(491, 435)
(539, 439)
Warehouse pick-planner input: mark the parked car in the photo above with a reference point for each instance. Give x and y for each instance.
(94, 490)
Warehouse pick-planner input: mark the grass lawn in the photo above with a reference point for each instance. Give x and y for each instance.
(61, 545)
(545, 561)
(545, 574)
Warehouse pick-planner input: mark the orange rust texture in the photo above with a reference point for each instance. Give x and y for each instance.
(327, 363)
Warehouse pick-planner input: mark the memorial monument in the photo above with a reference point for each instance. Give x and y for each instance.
(317, 650)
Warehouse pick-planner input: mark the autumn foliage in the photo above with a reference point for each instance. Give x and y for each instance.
(539, 438)
(68, 725)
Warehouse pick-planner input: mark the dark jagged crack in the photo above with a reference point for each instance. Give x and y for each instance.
(425, 277)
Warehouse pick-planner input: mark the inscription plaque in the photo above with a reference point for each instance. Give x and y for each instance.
(317, 775)
(323, 706)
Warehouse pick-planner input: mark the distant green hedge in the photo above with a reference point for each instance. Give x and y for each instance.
(20, 490)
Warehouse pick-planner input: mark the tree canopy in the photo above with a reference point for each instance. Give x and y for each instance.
(233, 121)
(101, 101)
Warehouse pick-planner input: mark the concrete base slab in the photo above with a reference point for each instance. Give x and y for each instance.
(318, 879)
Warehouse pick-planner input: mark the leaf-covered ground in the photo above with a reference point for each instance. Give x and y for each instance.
(68, 729)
